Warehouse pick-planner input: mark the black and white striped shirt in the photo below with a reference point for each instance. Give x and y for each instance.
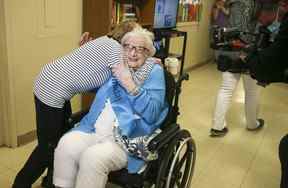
(84, 69)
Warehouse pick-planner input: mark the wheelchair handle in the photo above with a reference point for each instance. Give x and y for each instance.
(182, 77)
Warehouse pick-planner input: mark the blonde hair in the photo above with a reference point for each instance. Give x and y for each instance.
(144, 34)
(122, 28)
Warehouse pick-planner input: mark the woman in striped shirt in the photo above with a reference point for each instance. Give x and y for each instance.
(84, 69)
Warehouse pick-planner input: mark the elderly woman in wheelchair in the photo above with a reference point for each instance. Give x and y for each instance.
(127, 108)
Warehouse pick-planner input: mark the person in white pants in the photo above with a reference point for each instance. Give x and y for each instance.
(243, 17)
(91, 156)
(252, 91)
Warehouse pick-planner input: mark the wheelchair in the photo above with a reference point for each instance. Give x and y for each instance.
(176, 149)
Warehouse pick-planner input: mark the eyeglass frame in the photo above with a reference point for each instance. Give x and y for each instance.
(138, 49)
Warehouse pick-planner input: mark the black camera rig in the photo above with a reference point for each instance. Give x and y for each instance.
(223, 39)
(231, 39)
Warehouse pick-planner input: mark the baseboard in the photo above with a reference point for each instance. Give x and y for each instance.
(26, 138)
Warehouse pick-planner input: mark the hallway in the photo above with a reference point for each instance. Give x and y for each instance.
(241, 159)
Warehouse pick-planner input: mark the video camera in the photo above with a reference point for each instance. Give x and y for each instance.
(230, 39)
(223, 40)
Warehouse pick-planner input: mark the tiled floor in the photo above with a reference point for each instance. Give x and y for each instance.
(241, 159)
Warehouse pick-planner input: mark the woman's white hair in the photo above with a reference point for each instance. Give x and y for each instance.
(144, 34)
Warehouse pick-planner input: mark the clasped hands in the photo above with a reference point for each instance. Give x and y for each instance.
(122, 73)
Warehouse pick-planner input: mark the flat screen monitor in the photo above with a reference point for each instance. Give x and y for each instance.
(165, 16)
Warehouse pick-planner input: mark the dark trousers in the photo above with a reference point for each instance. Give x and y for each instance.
(283, 156)
(51, 125)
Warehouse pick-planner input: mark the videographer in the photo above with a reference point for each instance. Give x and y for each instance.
(243, 17)
(270, 65)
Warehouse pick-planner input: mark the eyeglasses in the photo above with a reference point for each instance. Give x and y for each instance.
(138, 49)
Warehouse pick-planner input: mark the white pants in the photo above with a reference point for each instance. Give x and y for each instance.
(229, 83)
(84, 160)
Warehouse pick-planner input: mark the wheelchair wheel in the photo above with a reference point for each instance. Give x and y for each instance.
(177, 166)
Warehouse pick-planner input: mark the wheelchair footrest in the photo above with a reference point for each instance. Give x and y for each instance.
(123, 178)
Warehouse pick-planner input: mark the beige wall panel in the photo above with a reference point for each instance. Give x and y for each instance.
(38, 31)
(8, 126)
(3, 61)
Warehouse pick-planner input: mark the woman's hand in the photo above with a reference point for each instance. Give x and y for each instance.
(156, 60)
(85, 38)
(123, 75)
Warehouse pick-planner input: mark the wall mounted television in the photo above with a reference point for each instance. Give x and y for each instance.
(165, 16)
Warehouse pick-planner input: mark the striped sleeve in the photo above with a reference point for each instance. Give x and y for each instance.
(84, 69)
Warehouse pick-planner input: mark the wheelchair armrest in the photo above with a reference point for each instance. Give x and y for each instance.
(163, 138)
(76, 117)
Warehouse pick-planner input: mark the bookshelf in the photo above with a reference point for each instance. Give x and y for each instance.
(123, 11)
(100, 16)
(189, 11)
